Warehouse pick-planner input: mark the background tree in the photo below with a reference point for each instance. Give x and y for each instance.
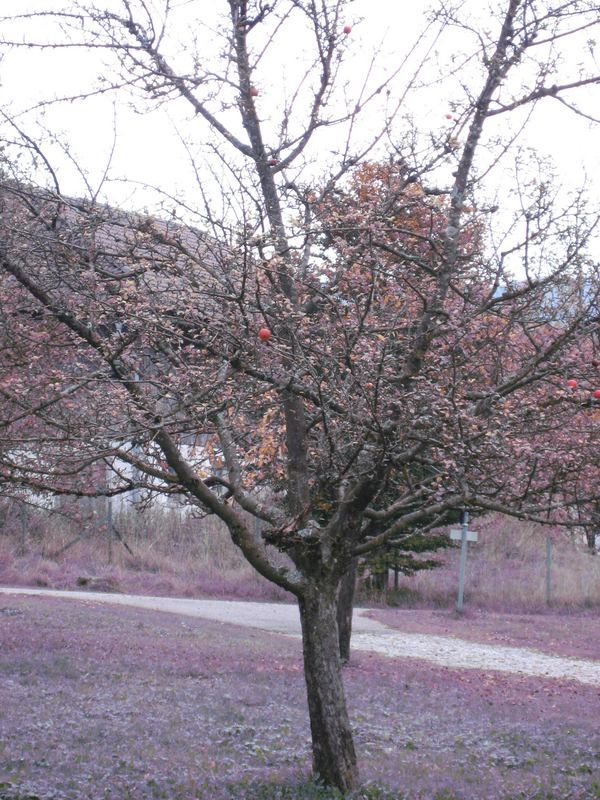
(345, 381)
(388, 198)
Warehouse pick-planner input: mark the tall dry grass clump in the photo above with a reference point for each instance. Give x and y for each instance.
(154, 551)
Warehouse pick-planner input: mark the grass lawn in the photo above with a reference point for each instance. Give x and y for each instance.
(103, 702)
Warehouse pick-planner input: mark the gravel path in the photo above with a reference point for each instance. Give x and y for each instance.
(369, 635)
(452, 652)
(274, 617)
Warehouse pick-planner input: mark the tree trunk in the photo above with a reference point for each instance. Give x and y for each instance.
(345, 606)
(334, 758)
(590, 536)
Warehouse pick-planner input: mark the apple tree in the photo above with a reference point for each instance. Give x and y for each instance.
(343, 359)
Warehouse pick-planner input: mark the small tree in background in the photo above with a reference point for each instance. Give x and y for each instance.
(399, 557)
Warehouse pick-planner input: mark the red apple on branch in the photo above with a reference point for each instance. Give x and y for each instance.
(264, 334)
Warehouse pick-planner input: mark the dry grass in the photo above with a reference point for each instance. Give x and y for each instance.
(506, 571)
(169, 554)
(177, 554)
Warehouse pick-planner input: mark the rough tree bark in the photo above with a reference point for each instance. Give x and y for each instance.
(334, 757)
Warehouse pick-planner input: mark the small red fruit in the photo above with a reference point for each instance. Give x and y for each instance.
(347, 29)
(596, 394)
(253, 91)
(272, 162)
(449, 116)
(264, 334)
(572, 384)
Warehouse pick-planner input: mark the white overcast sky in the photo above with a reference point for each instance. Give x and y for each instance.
(147, 145)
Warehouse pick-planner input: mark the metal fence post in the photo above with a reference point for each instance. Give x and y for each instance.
(109, 528)
(463, 559)
(548, 570)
